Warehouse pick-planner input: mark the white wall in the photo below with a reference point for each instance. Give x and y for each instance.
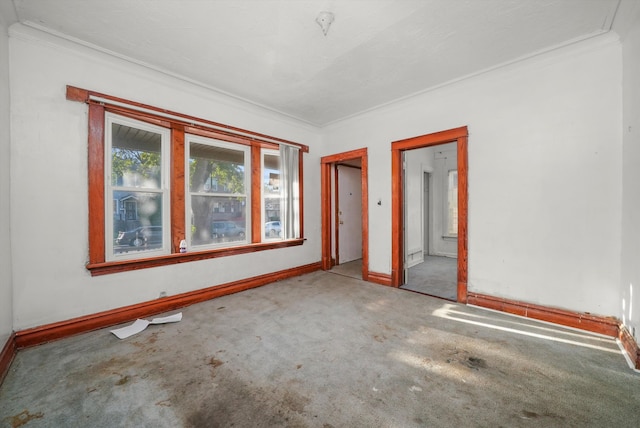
(630, 284)
(545, 156)
(6, 299)
(416, 161)
(49, 181)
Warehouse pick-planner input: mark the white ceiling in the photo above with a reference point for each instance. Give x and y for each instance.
(274, 54)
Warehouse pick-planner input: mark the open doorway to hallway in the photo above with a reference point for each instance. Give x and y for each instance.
(345, 230)
(440, 217)
(430, 190)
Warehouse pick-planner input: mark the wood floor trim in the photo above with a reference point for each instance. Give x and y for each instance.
(379, 278)
(608, 326)
(35, 336)
(6, 356)
(59, 330)
(630, 345)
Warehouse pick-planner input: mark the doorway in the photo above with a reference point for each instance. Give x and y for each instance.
(403, 250)
(345, 219)
(430, 220)
(348, 203)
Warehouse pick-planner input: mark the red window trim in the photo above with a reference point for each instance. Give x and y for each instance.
(179, 125)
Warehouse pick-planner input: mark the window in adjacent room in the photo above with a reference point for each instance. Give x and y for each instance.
(452, 203)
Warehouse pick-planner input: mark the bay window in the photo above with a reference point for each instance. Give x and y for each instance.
(157, 178)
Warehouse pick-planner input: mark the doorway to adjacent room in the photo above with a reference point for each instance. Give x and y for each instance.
(429, 214)
(345, 226)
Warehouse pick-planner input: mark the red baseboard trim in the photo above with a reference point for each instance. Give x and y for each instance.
(608, 326)
(50, 332)
(6, 356)
(630, 345)
(604, 325)
(379, 278)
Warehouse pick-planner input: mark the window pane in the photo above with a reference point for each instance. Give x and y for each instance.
(216, 169)
(137, 225)
(217, 186)
(136, 162)
(452, 213)
(135, 157)
(271, 196)
(217, 219)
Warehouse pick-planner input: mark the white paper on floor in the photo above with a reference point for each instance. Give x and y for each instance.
(139, 325)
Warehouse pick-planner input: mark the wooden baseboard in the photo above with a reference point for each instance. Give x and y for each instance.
(38, 335)
(630, 345)
(59, 330)
(608, 326)
(379, 278)
(6, 356)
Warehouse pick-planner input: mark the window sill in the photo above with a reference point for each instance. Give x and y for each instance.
(106, 268)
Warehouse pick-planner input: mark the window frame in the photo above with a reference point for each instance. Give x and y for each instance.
(164, 188)
(179, 124)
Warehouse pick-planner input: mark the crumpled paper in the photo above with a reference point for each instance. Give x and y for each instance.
(139, 325)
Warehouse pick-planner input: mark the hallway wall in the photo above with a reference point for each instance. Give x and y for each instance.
(416, 161)
(49, 181)
(545, 155)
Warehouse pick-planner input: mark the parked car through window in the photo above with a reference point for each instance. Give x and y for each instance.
(220, 229)
(272, 229)
(141, 236)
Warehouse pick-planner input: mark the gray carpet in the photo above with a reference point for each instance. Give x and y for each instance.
(320, 351)
(436, 276)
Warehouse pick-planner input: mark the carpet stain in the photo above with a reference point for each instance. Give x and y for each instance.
(527, 414)
(24, 417)
(243, 405)
(476, 363)
(123, 380)
(465, 358)
(164, 403)
(214, 362)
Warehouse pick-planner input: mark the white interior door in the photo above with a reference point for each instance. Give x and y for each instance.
(349, 214)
